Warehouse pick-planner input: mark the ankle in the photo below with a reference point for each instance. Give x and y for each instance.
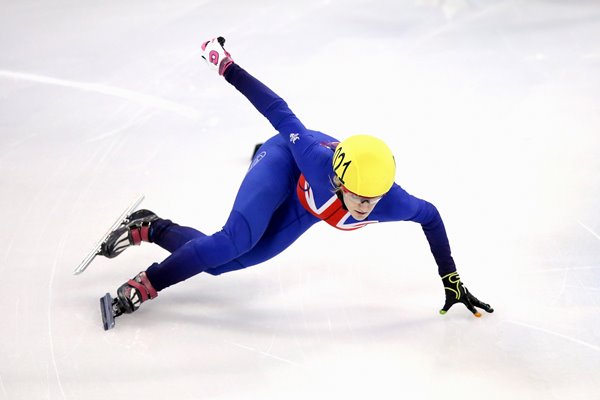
(148, 291)
(140, 234)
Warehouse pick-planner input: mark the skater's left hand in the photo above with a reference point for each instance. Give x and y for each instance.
(456, 292)
(215, 54)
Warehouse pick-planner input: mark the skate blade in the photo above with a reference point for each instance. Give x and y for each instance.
(96, 250)
(108, 319)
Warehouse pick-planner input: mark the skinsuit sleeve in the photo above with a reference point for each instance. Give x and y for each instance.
(402, 206)
(310, 156)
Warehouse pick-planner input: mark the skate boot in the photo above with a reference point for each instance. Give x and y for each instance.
(134, 230)
(132, 294)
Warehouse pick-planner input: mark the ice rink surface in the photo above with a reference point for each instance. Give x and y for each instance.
(491, 107)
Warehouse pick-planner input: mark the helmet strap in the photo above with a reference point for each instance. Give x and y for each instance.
(339, 191)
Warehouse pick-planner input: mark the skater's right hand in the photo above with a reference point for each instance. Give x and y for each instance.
(215, 55)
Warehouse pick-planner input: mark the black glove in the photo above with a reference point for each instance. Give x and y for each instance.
(456, 292)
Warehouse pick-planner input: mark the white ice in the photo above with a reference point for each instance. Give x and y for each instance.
(492, 108)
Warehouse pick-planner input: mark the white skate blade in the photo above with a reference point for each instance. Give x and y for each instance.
(108, 319)
(88, 259)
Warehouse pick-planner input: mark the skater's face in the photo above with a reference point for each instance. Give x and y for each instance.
(360, 207)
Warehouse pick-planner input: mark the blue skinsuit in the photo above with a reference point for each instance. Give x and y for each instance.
(286, 190)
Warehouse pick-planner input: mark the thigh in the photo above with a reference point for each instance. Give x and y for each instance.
(269, 182)
(288, 223)
(266, 186)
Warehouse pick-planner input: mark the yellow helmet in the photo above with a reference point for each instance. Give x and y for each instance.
(365, 165)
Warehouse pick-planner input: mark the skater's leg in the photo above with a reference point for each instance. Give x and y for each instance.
(146, 226)
(266, 186)
(171, 236)
(288, 223)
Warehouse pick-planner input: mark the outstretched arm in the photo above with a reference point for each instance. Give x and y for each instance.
(305, 145)
(409, 208)
(267, 102)
(402, 206)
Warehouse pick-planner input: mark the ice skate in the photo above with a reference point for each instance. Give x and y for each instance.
(130, 296)
(134, 230)
(96, 249)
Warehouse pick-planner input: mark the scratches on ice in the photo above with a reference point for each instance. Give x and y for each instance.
(139, 98)
(589, 230)
(560, 335)
(264, 353)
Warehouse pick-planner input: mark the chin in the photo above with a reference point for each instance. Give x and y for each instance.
(359, 217)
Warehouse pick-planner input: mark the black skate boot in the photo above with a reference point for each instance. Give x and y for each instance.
(130, 296)
(133, 231)
(133, 293)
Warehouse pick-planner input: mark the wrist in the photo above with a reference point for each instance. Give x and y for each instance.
(224, 66)
(450, 277)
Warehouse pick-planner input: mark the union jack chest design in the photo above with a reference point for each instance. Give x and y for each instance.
(332, 211)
